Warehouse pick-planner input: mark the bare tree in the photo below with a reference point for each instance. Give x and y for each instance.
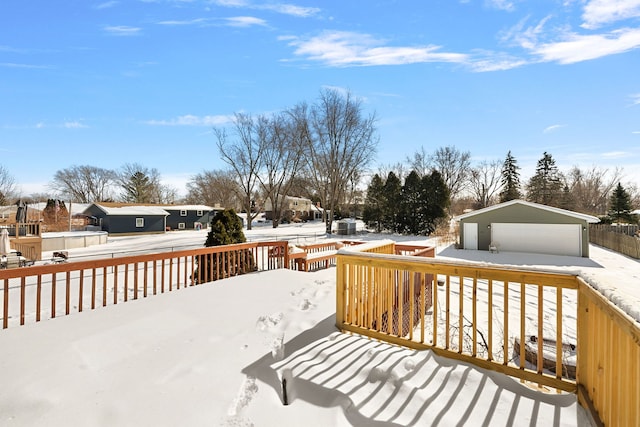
(420, 162)
(399, 169)
(454, 166)
(484, 182)
(341, 142)
(281, 161)
(244, 155)
(84, 184)
(590, 189)
(140, 184)
(7, 186)
(214, 188)
(165, 194)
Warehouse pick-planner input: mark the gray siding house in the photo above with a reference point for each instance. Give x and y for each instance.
(189, 217)
(520, 226)
(128, 219)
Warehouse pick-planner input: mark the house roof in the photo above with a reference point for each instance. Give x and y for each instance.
(190, 207)
(581, 216)
(132, 210)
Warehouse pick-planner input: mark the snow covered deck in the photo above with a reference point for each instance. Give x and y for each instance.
(216, 355)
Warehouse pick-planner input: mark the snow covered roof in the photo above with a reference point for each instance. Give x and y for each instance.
(132, 210)
(189, 207)
(584, 217)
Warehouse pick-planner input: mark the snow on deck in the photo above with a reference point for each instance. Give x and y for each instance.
(216, 354)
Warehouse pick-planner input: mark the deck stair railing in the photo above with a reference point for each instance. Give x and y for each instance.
(550, 330)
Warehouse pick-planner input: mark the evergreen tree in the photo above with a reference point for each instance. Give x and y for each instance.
(545, 186)
(392, 197)
(374, 204)
(138, 188)
(510, 179)
(411, 218)
(620, 205)
(226, 229)
(436, 200)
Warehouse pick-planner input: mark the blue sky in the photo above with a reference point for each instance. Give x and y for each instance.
(105, 83)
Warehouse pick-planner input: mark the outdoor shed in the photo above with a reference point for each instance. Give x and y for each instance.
(129, 219)
(520, 226)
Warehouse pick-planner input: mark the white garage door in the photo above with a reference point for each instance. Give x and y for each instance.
(555, 239)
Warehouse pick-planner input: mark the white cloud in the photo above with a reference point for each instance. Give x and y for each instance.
(283, 8)
(576, 48)
(600, 12)
(615, 154)
(29, 66)
(507, 5)
(106, 5)
(552, 128)
(185, 22)
(122, 30)
(635, 99)
(343, 48)
(491, 61)
(245, 21)
(74, 125)
(293, 10)
(191, 120)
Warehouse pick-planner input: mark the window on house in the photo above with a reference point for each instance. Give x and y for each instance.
(199, 213)
(183, 212)
(181, 226)
(139, 222)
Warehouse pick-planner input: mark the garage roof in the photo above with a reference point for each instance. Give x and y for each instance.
(584, 217)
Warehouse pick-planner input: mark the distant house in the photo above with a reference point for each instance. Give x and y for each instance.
(189, 217)
(293, 209)
(520, 226)
(128, 219)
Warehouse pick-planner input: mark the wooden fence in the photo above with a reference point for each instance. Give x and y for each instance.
(623, 243)
(549, 329)
(37, 292)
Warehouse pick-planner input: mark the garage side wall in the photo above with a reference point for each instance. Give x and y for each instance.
(521, 214)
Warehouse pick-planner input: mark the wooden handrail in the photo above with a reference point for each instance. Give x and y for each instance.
(76, 286)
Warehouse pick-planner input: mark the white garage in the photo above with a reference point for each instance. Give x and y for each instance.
(521, 226)
(554, 239)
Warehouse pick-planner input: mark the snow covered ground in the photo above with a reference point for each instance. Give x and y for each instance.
(217, 355)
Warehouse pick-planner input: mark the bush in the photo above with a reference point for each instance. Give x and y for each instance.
(226, 229)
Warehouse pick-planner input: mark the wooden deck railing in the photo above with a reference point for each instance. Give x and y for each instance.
(34, 293)
(549, 329)
(608, 359)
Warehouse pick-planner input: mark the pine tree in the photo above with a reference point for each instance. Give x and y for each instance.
(510, 179)
(374, 203)
(138, 188)
(620, 205)
(226, 229)
(411, 206)
(545, 186)
(436, 200)
(392, 197)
